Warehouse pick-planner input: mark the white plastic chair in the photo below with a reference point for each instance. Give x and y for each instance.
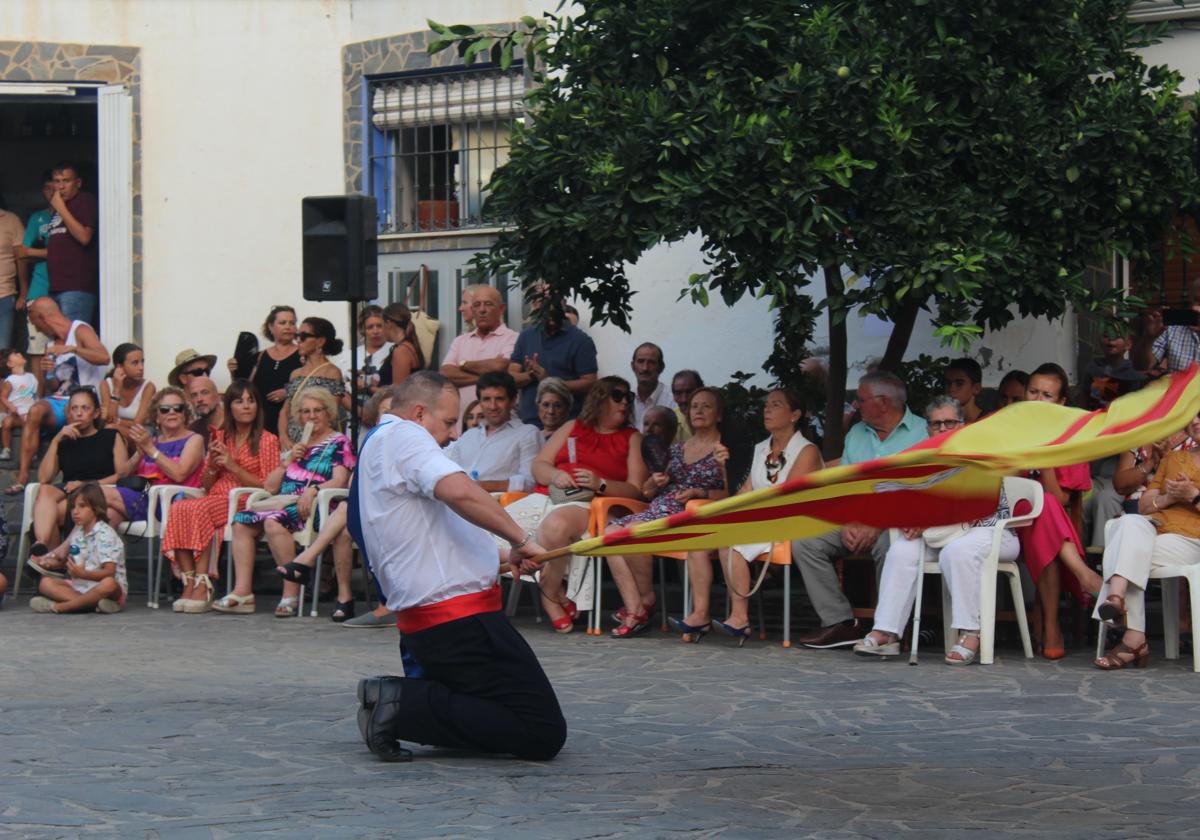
(31, 491)
(1016, 489)
(1169, 576)
(158, 505)
(303, 537)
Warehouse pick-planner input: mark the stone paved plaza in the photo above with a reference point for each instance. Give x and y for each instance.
(151, 724)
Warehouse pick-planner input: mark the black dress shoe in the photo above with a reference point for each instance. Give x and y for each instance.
(836, 635)
(379, 698)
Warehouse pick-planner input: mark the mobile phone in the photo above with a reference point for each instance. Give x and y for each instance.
(1181, 318)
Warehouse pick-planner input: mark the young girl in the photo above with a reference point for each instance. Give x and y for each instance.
(95, 558)
(126, 395)
(17, 394)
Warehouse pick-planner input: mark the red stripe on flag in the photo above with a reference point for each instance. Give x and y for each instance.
(1164, 406)
(1074, 428)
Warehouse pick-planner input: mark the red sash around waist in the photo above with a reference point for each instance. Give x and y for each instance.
(416, 619)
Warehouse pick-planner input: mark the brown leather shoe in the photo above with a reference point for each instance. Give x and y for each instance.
(837, 635)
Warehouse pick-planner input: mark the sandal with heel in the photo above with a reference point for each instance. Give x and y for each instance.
(1112, 611)
(1112, 661)
(641, 624)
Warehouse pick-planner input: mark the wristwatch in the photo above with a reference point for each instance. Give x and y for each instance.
(1196, 500)
(603, 488)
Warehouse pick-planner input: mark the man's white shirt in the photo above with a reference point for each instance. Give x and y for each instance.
(421, 551)
(661, 395)
(504, 455)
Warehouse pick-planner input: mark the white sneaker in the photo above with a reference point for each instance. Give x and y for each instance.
(41, 605)
(5, 454)
(108, 606)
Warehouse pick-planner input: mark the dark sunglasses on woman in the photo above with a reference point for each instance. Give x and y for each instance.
(617, 395)
(171, 409)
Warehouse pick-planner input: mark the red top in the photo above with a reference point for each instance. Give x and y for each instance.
(607, 455)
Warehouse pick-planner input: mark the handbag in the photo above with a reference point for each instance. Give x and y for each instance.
(942, 535)
(277, 502)
(425, 327)
(558, 495)
(136, 483)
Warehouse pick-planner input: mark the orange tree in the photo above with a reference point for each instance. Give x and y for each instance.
(891, 156)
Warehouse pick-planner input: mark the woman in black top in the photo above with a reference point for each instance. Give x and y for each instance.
(275, 364)
(84, 452)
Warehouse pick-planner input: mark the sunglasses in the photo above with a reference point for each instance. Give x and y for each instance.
(171, 409)
(305, 336)
(617, 395)
(200, 371)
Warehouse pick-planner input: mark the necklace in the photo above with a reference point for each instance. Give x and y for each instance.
(775, 464)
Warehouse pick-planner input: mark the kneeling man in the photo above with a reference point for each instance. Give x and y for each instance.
(425, 529)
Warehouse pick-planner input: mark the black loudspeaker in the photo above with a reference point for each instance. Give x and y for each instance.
(339, 247)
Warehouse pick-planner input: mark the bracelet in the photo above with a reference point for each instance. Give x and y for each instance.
(521, 544)
(154, 455)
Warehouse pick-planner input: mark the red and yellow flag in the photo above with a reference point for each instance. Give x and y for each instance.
(954, 477)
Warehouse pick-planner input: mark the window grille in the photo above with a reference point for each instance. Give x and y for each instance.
(436, 141)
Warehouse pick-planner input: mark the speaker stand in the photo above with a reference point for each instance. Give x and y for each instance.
(354, 417)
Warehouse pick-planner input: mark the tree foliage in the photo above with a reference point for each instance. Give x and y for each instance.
(969, 159)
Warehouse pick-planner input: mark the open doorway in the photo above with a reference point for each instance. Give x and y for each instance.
(37, 131)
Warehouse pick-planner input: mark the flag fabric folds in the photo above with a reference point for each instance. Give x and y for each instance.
(954, 477)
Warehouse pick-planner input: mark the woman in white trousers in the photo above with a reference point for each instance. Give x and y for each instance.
(1165, 533)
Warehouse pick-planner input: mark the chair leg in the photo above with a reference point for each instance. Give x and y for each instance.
(1193, 585)
(514, 596)
(787, 606)
(987, 619)
(662, 593)
(1101, 633)
(1170, 608)
(316, 589)
(151, 601)
(915, 642)
(228, 567)
(594, 619)
(1018, 599)
(762, 621)
(687, 591)
(22, 556)
(948, 637)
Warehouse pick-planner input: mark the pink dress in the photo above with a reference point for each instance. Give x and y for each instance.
(1043, 540)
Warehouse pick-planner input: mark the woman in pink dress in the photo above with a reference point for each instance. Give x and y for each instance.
(1051, 542)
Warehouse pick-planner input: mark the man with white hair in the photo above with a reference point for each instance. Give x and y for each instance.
(471, 681)
(887, 427)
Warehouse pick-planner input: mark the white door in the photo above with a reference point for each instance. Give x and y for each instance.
(114, 118)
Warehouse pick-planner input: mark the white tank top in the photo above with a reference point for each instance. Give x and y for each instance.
(128, 412)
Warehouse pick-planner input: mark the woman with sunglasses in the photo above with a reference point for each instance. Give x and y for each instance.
(174, 455)
(786, 454)
(84, 452)
(406, 355)
(318, 341)
(275, 364)
(597, 454)
(240, 454)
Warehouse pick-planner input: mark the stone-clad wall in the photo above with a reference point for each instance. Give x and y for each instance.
(30, 61)
(381, 56)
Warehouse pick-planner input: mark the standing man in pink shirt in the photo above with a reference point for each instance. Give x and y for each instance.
(487, 348)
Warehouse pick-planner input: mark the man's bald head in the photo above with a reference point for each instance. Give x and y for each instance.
(202, 395)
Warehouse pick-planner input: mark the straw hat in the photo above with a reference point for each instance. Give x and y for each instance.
(184, 359)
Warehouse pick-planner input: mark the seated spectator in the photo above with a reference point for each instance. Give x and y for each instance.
(784, 455)
(334, 532)
(1012, 388)
(887, 427)
(660, 422)
(696, 470)
(1165, 533)
(240, 454)
(125, 396)
(472, 415)
(553, 405)
(553, 348)
(318, 339)
(497, 454)
(964, 382)
(683, 385)
(77, 358)
(1051, 537)
(486, 349)
(93, 558)
(274, 366)
(1137, 468)
(17, 395)
(961, 560)
(84, 453)
(188, 365)
(647, 366)
(324, 462)
(204, 401)
(174, 455)
(598, 454)
(406, 355)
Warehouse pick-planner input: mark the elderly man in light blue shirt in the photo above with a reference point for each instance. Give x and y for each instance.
(887, 427)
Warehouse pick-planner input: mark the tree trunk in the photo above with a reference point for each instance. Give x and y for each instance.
(835, 393)
(902, 329)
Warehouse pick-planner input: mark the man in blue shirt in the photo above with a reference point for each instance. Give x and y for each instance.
(556, 348)
(33, 272)
(887, 427)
